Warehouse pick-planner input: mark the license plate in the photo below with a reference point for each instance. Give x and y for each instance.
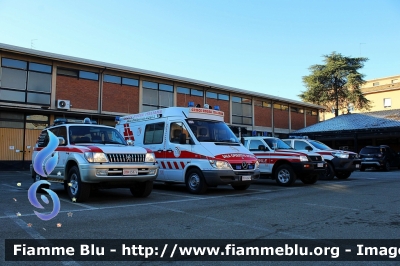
(246, 177)
(130, 171)
(320, 165)
(357, 166)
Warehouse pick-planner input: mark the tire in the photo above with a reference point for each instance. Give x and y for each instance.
(142, 189)
(343, 175)
(386, 168)
(36, 177)
(309, 180)
(284, 175)
(195, 182)
(241, 186)
(329, 172)
(78, 190)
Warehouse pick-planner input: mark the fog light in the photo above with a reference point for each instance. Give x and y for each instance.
(152, 171)
(101, 172)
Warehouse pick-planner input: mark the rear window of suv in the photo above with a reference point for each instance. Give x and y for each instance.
(372, 150)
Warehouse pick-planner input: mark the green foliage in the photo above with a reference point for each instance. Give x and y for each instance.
(336, 84)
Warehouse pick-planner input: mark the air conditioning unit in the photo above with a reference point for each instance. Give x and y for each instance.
(63, 104)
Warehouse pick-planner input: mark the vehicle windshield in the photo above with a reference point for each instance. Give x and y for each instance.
(371, 150)
(95, 134)
(319, 145)
(211, 131)
(275, 143)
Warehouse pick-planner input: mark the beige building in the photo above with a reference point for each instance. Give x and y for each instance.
(384, 94)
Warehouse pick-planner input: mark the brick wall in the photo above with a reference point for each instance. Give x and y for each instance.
(311, 120)
(262, 116)
(120, 98)
(82, 93)
(297, 120)
(281, 118)
(184, 99)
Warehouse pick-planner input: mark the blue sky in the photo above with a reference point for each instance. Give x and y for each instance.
(263, 46)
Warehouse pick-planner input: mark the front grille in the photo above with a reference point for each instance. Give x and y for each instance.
(239, 166)
(315, 158)
(125, 158)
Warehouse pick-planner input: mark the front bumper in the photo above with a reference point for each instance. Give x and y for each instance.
(372, 163)
(346, 165)
(309, 168)
(114, 172)
(219, 177)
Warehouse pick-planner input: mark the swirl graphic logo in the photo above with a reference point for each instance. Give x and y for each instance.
(45, 162)
(47, 158)
(33, 200)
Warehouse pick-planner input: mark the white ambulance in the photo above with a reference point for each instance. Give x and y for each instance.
(193, 146)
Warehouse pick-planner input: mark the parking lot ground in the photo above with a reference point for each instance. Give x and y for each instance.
(365, 206)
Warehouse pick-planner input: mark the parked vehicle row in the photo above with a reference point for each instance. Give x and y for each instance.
(184, 145)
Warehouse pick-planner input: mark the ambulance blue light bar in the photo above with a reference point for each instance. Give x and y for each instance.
(190, 104)
(216, 107)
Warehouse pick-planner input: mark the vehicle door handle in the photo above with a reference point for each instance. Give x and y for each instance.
(169, 150)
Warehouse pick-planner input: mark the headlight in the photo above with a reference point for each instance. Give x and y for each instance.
(96, 157)
(256, 165)
(150, 158)
(303, 158)
(220, 164)
(340, 155)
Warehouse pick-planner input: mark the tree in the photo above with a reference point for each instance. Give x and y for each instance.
(336, 84)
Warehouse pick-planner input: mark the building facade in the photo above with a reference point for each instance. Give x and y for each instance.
(37, 87)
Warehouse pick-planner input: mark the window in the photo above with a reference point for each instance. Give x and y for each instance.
(211, 95)
(294, 109)
(176, 129)
(223, 97)
(88, 75)
(112, 79)
(300, 145)
(387, 102)
(154, 133)
(241, 111)
(255, 145)
(67, 72)
(25, 82)
(130, 82)
(157, 95)
(375, 84)
(197, 92)
(183, 90)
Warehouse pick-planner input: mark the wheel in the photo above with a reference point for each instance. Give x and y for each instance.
(241, 186)
(36, 178)
(284, 175)
(77, 190)
(343, 175)
(195, 182)
(386, 167)
(329, 172)
(142, 189)
(309, 180)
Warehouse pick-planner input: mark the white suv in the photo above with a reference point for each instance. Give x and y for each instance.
(340, 163)
(92, 156)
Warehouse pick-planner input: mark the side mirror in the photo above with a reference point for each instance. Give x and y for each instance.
(308, 148)
(129, 142)
(182, 138)
(61, 141)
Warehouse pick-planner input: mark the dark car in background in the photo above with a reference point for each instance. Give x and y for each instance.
(379, 157)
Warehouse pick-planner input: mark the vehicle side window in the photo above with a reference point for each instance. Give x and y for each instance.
(43, 139)
(288, 142)
(176, 129)
(154, 133)
(300, 145)
(62, 132)
(255, 145)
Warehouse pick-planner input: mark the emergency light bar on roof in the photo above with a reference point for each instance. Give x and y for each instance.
(188, 112)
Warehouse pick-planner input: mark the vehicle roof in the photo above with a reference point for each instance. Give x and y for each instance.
(260, 137)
